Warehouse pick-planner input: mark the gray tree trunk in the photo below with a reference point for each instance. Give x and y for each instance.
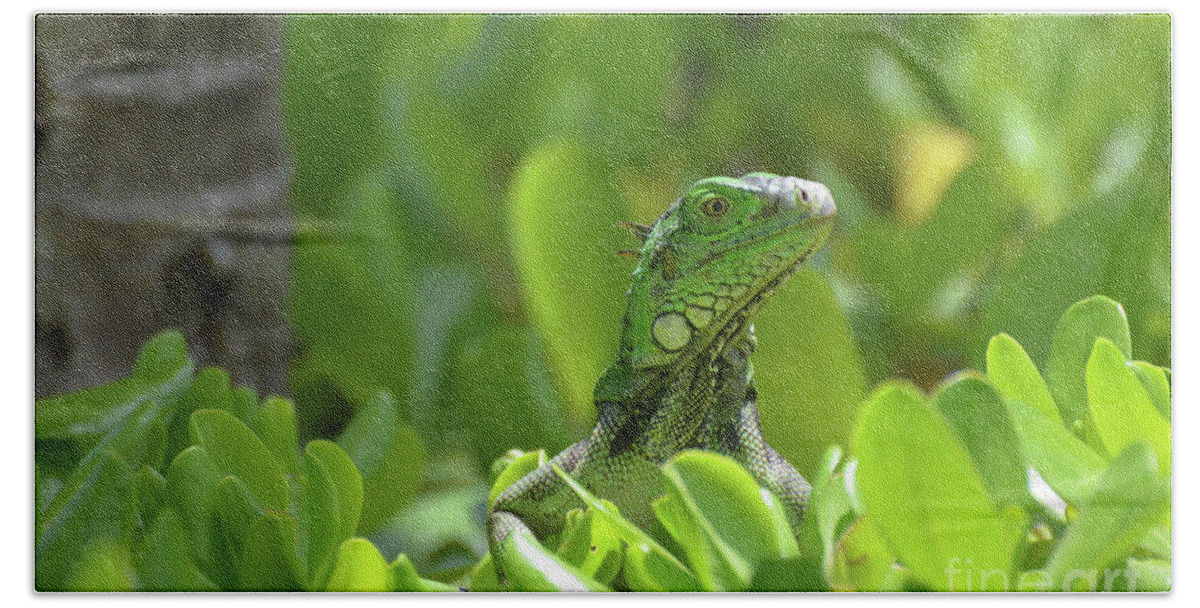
(161, 180)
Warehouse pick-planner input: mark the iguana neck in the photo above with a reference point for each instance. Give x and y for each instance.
(693, 404)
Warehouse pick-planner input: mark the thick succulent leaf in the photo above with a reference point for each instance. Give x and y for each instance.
(529, 566)
(829, 508)
(648, 566)
(346, 481)
(1067, 464)
(920, 486)
(121, 432)
(270, 562)
(104, 566)
(977, 414)
(1014, 375)
(236, 513)
(150, 487)
(318, 524)
(1070, 348)
(235, 450)
(389, 456)
(861, 560)
(359, 567)
(1146, 575)
(516, 469)
(332, 504)
(403, 577)
(162, 368)
(101, 505)
(191, 491)
(724, 521)
(788, 575)
(1157, 384)
(1120, 407)
(275, 426)
(167, 563)
(1130, 498)
(589, 545)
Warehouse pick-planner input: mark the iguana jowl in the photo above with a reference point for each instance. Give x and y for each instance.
(683, 378)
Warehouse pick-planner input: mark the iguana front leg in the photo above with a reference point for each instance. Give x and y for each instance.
(534, 504)
(769, 468)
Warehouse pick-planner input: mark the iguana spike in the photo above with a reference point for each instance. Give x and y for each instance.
(641, 231)
(629, 253)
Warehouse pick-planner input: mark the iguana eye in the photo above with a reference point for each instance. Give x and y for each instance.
(714, 206)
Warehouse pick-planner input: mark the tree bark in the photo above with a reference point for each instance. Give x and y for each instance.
(161, 177)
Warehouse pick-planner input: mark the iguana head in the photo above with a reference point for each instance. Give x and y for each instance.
(714, 255)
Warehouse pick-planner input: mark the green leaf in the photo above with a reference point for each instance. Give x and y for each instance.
(345, 478)
(562, 209)
(275, 426)
(389, 457)
(1146, 575)
(726, 523)
(828, 506)
(351, 258)
(167, 562)
(978, 416)
(191, 491)
(483, 575)
(103, 566)
(270, 562)
(1157, 543)
(442, 529)
(403, 577)
(1128, 501)
(1067, 464)
(861, 559)
(717, 568)
(319, 522)
(528, 566)
(516, 469)
(236, 513)
(359, 567)
(236, 450)
(809, 374)
(920, 486)
(1158, 386)
(162, 357)
(791, 574)
(589, 545)
(1121, 408)
(332, 504)
(120, 430)
(150, 488)
(648, 566)
(499, 387)
(1070, 348)
(97, 503)
(1014, 375)
(210, 389)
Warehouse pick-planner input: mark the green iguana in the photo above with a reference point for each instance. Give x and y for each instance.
(683, 378)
